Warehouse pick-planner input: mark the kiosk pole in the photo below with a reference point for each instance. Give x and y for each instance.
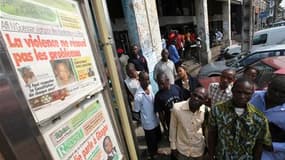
(107, 47)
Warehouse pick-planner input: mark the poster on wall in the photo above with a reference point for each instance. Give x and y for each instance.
(86, 134)
(48, 45)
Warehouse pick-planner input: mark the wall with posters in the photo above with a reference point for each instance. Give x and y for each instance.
(48, 46)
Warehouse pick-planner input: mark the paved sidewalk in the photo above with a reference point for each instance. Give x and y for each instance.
(193, 66)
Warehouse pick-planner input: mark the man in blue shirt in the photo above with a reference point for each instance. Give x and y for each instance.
(144, 100)
(173, 53)
(272, 104)
(167, 95)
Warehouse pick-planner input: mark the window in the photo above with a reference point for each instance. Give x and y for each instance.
(282, 23)
(259, 39)
(254, 57)
(265, 74)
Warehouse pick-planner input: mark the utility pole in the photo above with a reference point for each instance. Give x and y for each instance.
(247, 25)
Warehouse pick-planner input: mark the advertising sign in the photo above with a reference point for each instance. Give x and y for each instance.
(48, 45)
(86, 134)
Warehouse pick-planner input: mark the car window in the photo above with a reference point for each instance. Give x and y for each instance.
(258, 56)
(253, 58)
(265, 74)
(259, 39)
(282, 23)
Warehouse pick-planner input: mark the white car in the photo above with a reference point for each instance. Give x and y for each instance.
(215, 68)
(265, 37)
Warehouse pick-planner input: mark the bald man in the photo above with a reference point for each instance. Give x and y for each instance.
(272, 104)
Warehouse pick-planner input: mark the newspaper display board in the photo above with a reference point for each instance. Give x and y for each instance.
(86, 134)
(50, 50)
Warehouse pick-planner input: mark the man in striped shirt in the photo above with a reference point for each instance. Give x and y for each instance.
(220, 92)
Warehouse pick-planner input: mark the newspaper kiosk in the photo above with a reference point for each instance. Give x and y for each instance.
(53, 99)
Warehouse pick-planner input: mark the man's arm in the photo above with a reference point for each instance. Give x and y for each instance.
(173, 53)
(257, 150)
(145, 65)
(212, 133)
(137, 103)
(130, 96)
(265, 137)
(158, 109)
(162, 120)
(205, 122)
(263, 140)
(176, 54)
(174, 70)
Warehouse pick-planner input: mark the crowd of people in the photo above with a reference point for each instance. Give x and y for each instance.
(182, 45)
(229, 120)
(186, 45)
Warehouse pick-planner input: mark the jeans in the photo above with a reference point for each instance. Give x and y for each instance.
(152, 139)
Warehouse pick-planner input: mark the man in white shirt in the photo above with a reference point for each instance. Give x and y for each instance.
(132, 80)
(165, 66)
(186, 134)
(144, 103)
(219, 36)
(222, 91)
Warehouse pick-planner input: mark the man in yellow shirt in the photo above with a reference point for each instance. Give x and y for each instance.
(186, 134)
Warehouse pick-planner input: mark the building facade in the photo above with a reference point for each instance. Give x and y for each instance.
(203, 17)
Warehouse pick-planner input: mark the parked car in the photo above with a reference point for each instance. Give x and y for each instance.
(215, 68)
(266, 66)
(265, 37)
(276, 24)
